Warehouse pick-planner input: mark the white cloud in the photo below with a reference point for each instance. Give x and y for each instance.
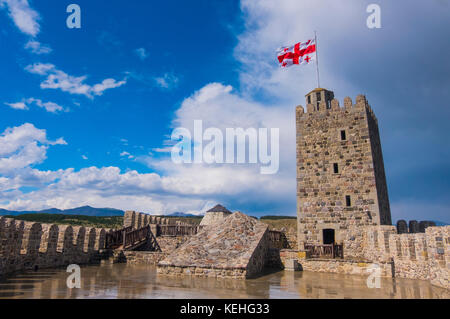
(126, 154)
(23, 146)
(219, 107)
(84, 157)
(106, 84)
(18, 106)
(37, 48)
(48, 106)
(268, 25)
(57, 79)
(23, 16)
(141, 53)
(166, 149)
(40, 68)
(167, 81)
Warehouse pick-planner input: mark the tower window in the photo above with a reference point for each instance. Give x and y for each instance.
(343, 135)
(328, 104)
(309, 99)
(318, 96)
(348, 201)
(336, 168)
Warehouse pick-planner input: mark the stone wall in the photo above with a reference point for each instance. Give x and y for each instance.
(138, 220)
(341, 266)
(288, 241)
(438, 244)
(28, 245)
(212, 218)
(237, 247)
(234, 273)
(423, 256)
(143, 257)
(169, 244)
(346, 267)
(321, 192)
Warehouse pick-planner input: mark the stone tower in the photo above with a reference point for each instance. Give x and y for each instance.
(341, 183)
(215, 215)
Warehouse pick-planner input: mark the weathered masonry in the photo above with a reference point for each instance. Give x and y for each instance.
(215, 215)
(341, 181)
(237, 246)
(28, 245)
(344, 218)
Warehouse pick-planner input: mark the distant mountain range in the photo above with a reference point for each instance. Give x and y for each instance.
(84, 210)
(104, 212)
(180, 214)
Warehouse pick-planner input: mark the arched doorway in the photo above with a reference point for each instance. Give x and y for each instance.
(328, 236)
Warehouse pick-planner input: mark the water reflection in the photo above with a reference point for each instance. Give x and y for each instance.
(141, 281)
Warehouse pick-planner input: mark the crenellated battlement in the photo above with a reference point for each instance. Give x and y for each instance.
(30, 245)
(333, 107)
(424, 256)
(138, 220)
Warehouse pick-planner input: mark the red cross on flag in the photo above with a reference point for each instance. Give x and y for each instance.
(300, 53)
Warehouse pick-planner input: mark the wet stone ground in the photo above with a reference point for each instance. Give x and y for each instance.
(141, 281)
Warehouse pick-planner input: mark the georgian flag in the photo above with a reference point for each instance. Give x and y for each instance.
(300, 53)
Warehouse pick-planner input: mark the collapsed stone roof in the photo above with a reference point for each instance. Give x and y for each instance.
(229, 244)
(219, 208)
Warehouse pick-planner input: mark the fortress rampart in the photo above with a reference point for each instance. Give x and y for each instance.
(423, 256)
(138, 220)
(29, 245)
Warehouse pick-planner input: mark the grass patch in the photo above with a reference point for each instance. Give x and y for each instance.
(73, 220)
(289, 224)
(194, 220)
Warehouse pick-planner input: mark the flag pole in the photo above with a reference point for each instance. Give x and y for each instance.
(317, 60)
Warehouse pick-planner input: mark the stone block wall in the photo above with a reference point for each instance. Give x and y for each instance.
(424, 256)
(169, 244)
(236, 248)
(234, 273)
(377, 243)
(28, 245)
(438, 246)
(143, 257)
(258, 260)
(212, 218)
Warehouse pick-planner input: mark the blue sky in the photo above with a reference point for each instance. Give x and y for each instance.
(86, 113)
(105, 47)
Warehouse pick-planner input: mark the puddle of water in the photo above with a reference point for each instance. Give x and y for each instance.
(141, 281)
